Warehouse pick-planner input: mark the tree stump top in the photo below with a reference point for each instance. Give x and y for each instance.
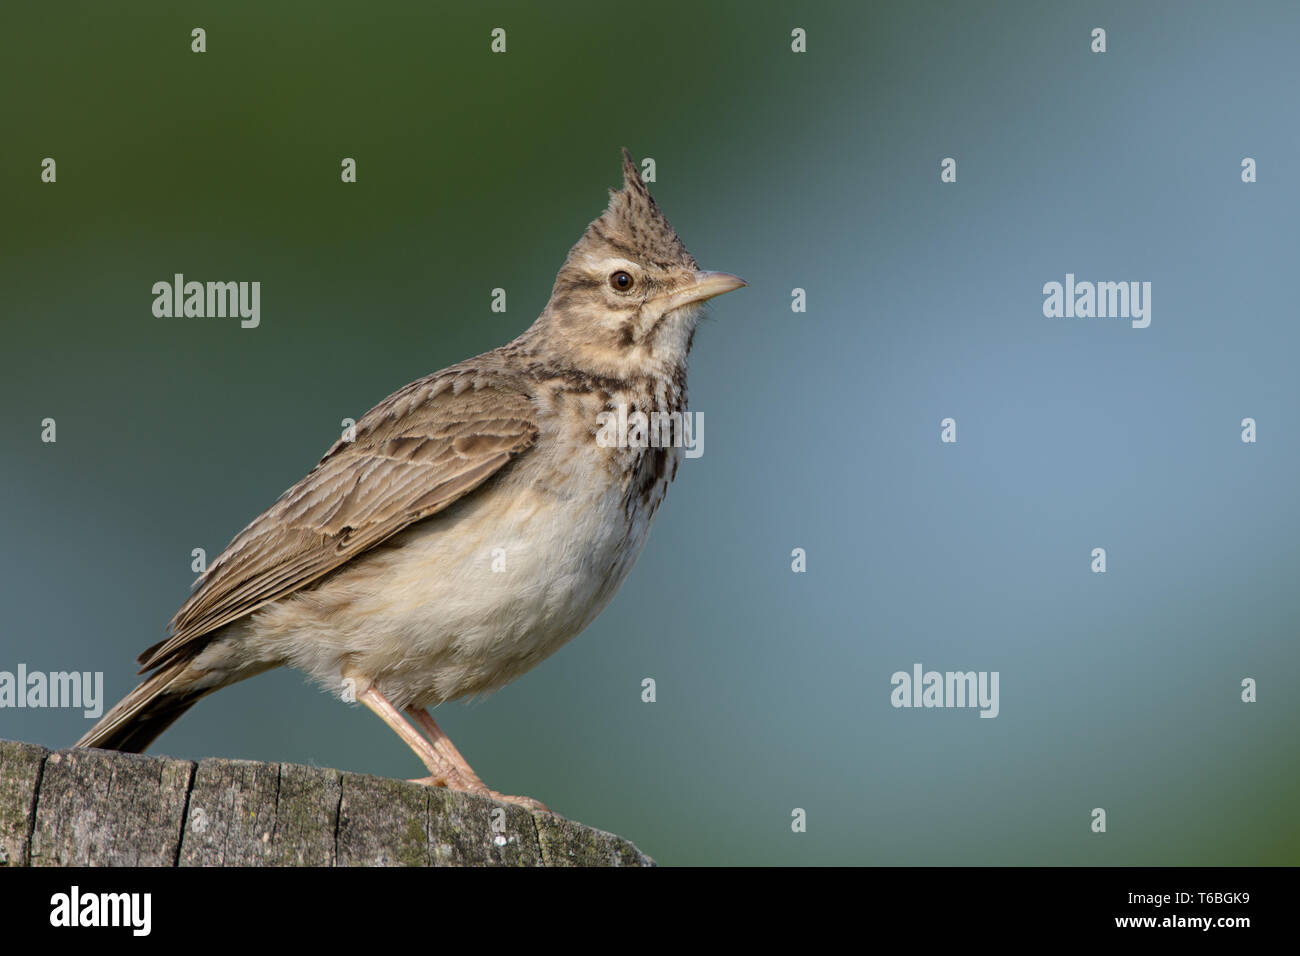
(102, 808)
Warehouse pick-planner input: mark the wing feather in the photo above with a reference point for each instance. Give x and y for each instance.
(418, 451)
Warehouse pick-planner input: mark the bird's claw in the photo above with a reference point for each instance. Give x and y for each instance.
(528, 803)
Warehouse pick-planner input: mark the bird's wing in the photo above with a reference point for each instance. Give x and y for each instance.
(415, 453)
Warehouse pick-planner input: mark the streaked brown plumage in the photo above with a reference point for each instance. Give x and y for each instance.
(374, 569)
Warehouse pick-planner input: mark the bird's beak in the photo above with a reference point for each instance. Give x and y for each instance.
(706, 285)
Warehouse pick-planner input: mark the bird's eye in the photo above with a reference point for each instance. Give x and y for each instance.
(620, 281)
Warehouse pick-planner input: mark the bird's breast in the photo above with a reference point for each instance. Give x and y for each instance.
(470, 598)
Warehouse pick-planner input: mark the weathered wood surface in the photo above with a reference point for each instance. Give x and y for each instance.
(100, 808)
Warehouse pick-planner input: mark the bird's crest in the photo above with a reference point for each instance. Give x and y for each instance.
(635, 228)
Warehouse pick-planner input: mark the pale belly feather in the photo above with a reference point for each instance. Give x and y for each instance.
(464, 602)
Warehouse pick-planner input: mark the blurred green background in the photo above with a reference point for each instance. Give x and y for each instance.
(818, 171)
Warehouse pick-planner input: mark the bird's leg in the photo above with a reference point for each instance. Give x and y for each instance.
(445, 773)
(447, 750)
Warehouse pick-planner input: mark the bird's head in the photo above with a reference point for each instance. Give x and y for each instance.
(628, 297)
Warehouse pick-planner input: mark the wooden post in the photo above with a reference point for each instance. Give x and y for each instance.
(102, 808)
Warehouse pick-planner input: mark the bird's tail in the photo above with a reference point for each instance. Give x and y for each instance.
(139, 717)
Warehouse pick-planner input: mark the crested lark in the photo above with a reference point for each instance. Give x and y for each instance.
(374, 569)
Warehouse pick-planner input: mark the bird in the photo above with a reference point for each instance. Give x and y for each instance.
(472, 525)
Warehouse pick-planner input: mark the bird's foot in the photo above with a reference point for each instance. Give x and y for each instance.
(527, 803)
(429, 781)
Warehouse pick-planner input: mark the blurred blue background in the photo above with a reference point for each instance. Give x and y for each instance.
(819, 171)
